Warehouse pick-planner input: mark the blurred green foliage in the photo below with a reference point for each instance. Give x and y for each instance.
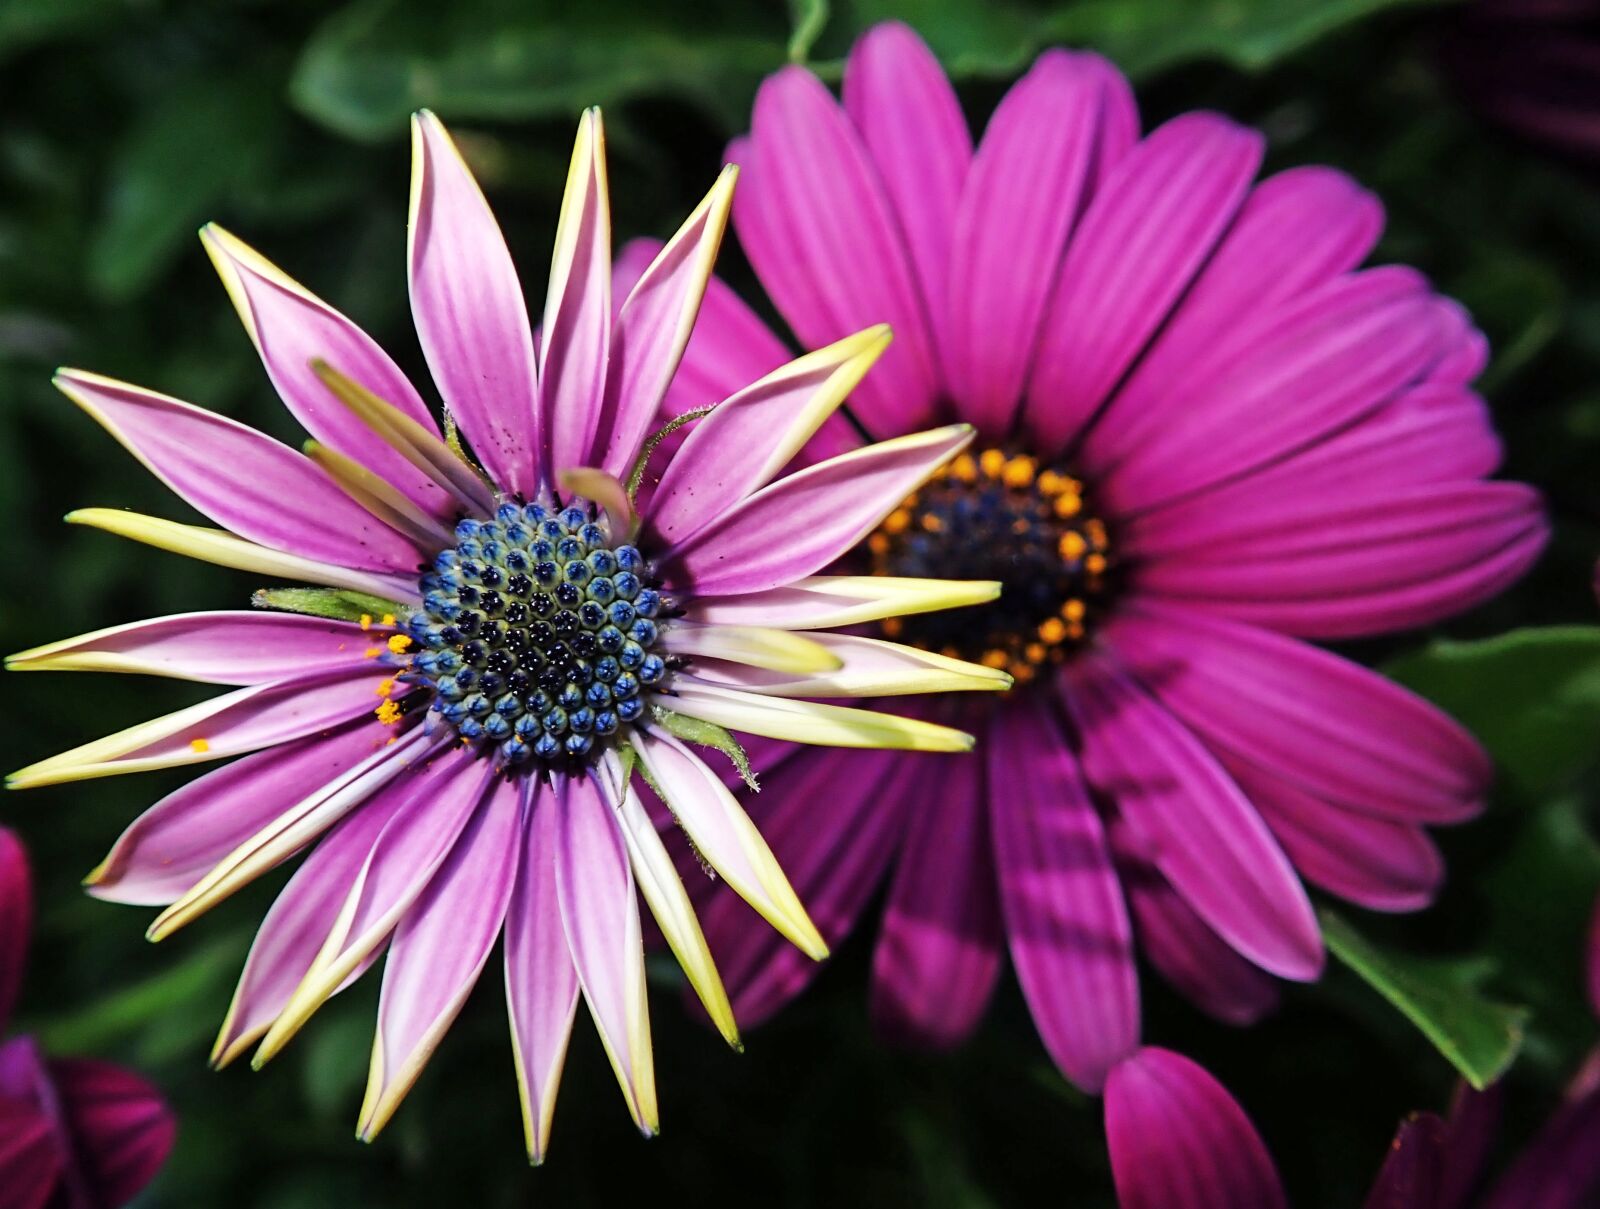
(129, 122)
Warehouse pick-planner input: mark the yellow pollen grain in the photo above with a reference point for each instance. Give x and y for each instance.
(1074, 609)
(1096, 530)
(1018, 472)
(200, 745)
(1072, 547)
(995, 658)
(893, 627)
(931, 523)
(385, 687)
(964, 468)
(878, 543)
(1034, 652)
(399, 642)
(388, 713)
(366, 621)
(897, 521)
(388, 619)
(1052, 483)
(1053, 630)
(1095, 564)
(372, 652)
(1068, 504)
(992, 461)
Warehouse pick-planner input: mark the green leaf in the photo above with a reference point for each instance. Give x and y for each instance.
(1532, 697)
(1478, 1036)
(341, 604)
(999, 37)
(186, 153)
(27, 23)
(372, 64)
(705, 734)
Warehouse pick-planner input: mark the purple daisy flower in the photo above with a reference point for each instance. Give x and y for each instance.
(1204, 437)
(75, 1133)
(498, 640)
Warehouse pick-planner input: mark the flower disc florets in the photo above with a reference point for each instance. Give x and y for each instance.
(1000, 515)
(538, 634)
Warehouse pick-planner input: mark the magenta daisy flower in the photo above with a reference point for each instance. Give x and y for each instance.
(75, 1133)
(1205, 437)
(498, 639)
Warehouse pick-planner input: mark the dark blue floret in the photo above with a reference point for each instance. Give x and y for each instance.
(536, 635)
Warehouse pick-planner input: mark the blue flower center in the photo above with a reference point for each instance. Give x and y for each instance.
(1000, 515)
(538, 634)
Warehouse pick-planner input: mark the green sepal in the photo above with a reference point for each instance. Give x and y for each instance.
(341, 604)
(653, 441)
(705, 734)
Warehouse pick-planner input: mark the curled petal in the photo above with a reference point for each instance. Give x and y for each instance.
(826, 602)
(811, 721)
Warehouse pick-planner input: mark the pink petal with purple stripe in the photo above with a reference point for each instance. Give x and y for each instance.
(1295, 231)
(1146, 234)
(469, 310)
(1178, 1140)
(834, 832)
(31, 1160)
(1199, 830)
(1029, 186)
(1183, 948)
(813, 208)
(246, 482)
(1066, 921)
(1321, 723)
(1369, 567)
(939, 946)
(800, 524)
(911, 122)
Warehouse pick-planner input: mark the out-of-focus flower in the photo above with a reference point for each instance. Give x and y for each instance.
(501, 638)
(1204, 438)
(1531, 67)
(1178, 1140)
(75, 1133)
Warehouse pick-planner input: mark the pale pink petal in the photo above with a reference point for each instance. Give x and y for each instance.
(469, 310)
(175, 843)
(243, 647)
(246, 482)
(1200, 831)
(1030, 183)
(1296, 231)
(939, 946)
(440, 947)
(1328, 726)
(244, 720)
(541, 984)
(300, 920)
(575, 337)
(653, 329)
(801, 523)
(819, 228)
(1066, 921)
(911, 123)
(600, 916)
(1178, 1140)
(292, 328)
(1146, 234)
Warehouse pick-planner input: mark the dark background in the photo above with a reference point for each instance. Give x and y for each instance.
(127, 123)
